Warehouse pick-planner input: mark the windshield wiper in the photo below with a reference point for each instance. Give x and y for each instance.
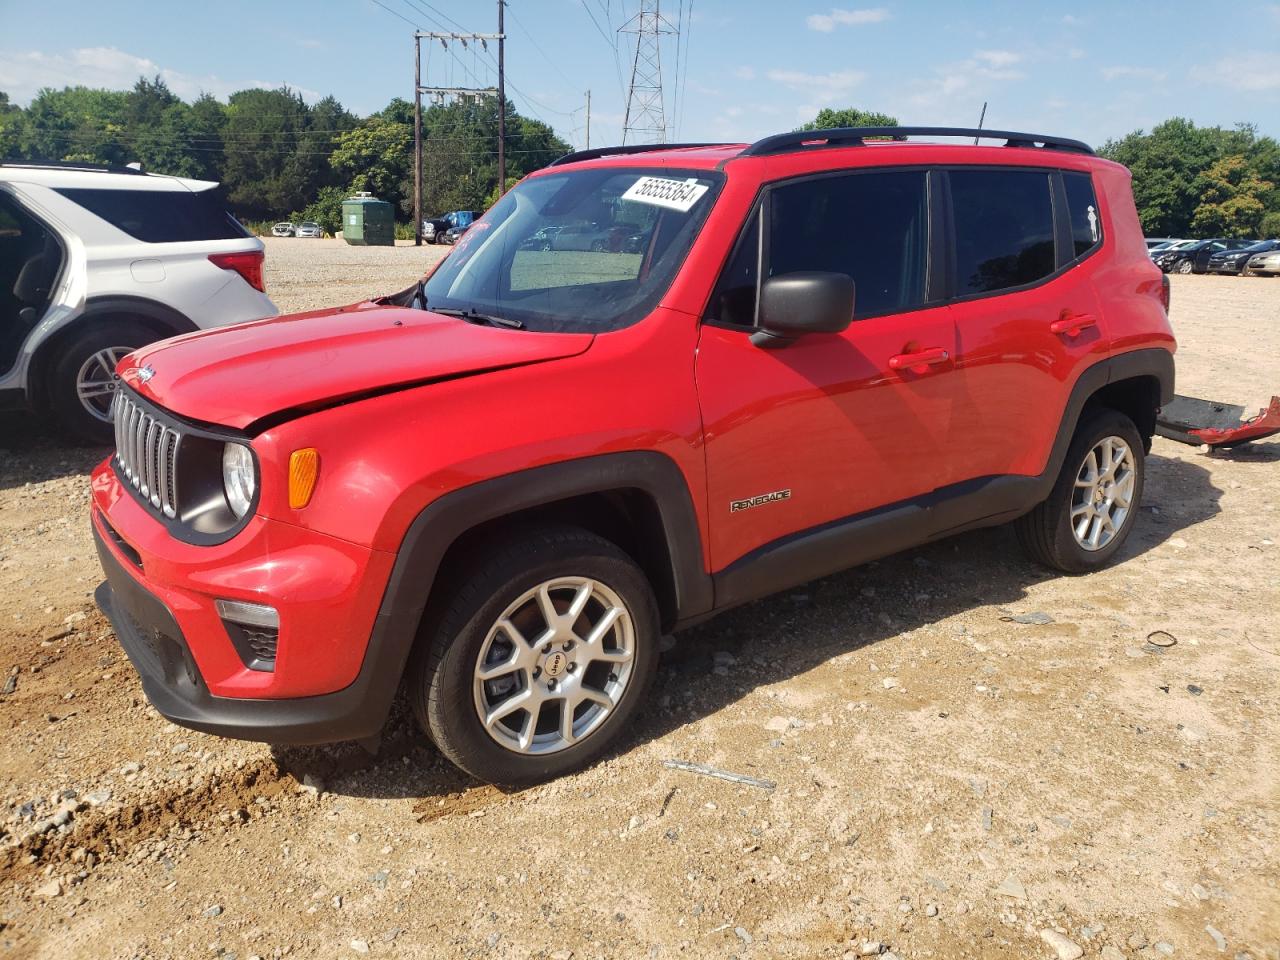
(472, 316)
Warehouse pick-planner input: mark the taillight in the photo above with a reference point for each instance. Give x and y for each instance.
(248, 265)
(1164, 292)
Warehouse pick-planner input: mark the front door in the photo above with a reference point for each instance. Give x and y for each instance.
(829, 425)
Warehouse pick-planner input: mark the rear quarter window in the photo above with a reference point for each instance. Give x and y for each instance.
(159, 216)
(1082, 208)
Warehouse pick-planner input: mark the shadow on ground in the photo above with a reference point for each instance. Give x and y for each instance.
(785, 635)
(31, 453)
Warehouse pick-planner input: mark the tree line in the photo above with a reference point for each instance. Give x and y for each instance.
(277, 156)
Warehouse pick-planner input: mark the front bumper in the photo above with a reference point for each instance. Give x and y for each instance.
(328, 681)
(156, 647)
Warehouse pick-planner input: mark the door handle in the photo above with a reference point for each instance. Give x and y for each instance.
(1072, 323)
(919, 361)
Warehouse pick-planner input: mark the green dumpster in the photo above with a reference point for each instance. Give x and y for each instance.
(368, 222)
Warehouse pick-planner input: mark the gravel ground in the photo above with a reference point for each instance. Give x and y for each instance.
(949, 782)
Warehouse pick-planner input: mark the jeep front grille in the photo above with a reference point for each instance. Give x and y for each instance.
(147, 454)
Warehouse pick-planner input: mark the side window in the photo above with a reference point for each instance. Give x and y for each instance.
(872, 226)
(159, 216)
(1082, 208)
(734, 299)
(1003, 227)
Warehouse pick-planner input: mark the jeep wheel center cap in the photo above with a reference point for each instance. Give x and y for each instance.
(555, 664)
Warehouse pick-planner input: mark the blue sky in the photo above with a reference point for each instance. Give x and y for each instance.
(1086, 69)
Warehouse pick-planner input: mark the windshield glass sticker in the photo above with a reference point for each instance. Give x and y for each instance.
(660, 192)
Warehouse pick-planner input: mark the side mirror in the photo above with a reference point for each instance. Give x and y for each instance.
(804, 302)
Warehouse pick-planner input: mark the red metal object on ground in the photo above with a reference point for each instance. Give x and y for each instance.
(1195, 421)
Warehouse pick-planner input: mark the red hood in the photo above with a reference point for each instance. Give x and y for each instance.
(239, 374)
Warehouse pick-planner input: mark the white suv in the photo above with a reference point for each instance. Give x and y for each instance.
(95, 262)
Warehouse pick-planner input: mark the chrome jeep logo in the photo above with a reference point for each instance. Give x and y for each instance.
(737, 505)
(146, 373)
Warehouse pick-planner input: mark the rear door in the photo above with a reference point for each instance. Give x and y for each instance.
(1027, 316)
(829, 425)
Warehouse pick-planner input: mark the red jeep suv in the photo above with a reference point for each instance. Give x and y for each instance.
(754, 366)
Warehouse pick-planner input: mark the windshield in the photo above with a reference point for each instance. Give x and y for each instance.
(582, 251)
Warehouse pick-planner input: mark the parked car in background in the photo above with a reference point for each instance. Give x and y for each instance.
(1194, 257)
(308, 229)
(1236, 261)
(1264, 264)
(95, 262)
(451, 235)
(434, 228)
(798, 302)
(1169, 245)
(283, 230)
(1154, 242)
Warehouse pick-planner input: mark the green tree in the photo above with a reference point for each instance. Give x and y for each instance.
(76, 123)
(1270, 226)
(12, 118)
(829, 119)
(377, 155)
(1171, 174)
(325, 209)
(1231, 200)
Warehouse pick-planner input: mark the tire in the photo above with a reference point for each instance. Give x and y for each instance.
(84, 361)
(498, 603)
(1186, 266)
(1047, 533)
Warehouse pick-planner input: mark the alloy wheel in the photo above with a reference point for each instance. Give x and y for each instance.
(554, 665)
(96, 383)
(1103, 496)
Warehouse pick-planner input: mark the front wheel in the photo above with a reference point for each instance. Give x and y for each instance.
(1186, 266)
(1094, 502)
(542, 660)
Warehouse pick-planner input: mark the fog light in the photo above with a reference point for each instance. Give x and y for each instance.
(249, 614)
(254, 629)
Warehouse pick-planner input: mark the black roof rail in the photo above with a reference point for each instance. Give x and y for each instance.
(74, 165)
(857, 136)
(597, 152)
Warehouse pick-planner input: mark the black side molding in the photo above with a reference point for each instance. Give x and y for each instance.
(981, 502)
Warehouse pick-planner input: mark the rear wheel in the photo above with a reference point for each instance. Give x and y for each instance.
(542, 659)
(1091, 510)
(83, 379)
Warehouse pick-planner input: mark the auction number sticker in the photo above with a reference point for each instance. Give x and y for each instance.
(661, 192)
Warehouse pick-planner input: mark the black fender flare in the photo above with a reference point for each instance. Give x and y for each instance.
(1154, 362)
(444, 520)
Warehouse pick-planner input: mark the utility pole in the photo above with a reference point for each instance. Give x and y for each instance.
(588, 119)
(502, 108)
(417, 140)
(646, 120)
(438, 95)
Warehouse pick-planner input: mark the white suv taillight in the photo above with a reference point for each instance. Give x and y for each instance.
(248, 265)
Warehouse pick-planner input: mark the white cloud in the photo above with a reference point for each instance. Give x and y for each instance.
(22, 75)
(1132, 73)
(1255, 72)
(997, 59)
(1075, 53)
(817, 89)
(745, 73)
(1071, 20)
(827, 22)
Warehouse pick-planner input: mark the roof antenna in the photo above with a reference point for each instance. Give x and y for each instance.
(981, 117)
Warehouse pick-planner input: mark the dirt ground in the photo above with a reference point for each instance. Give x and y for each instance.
(950, 782)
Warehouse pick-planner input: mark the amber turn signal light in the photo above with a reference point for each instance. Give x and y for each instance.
(304, 468)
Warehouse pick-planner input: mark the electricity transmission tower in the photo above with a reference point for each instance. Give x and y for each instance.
(646, 119)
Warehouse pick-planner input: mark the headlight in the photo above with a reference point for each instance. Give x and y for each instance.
(238, 478)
